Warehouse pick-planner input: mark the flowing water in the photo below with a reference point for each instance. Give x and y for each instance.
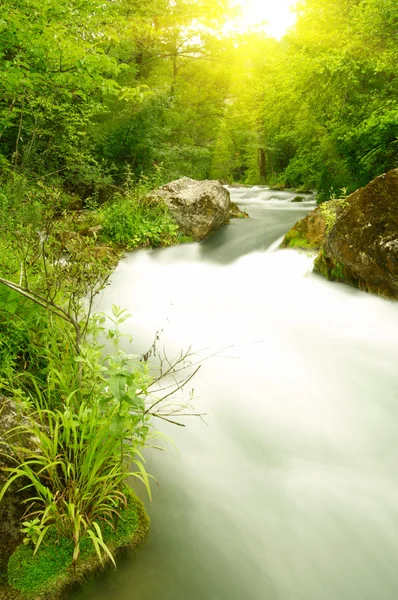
(289, 491)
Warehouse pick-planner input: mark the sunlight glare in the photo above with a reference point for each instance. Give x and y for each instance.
(277, 14)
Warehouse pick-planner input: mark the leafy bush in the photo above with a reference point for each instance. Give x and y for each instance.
(86, 449)
(134, 222)
(20, 327)
(89, 445)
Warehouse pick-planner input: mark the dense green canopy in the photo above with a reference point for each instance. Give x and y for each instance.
(91, 86)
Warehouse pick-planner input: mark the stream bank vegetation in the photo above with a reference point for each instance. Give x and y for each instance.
(86, 405)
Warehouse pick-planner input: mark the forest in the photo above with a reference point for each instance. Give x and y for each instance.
(101, 102)
(92, 88)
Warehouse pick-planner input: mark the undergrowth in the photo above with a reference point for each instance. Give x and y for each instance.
(137, 222)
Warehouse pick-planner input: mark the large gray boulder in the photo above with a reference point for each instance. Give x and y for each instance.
(198, 207)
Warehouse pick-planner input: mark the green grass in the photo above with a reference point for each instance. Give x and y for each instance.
(49, 572)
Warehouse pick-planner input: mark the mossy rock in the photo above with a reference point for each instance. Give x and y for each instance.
(309, 233)
(304, 190)
(361, 243)
(236, 213)
(298, 199)
(280, 186)
(48, 574)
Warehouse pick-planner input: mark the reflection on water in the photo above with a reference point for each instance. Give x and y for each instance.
(290, 491)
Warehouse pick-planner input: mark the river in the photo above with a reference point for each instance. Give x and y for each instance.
(289, 489)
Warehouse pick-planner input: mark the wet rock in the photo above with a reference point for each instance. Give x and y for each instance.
(237, 213)
(309, 233)
(361, 247)
(198, 207)
(298, 199)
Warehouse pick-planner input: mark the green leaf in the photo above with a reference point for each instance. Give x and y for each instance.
(117, 385)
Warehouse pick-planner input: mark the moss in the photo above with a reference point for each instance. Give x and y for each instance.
(185, 239)
(321, 264)
(295, 239)
(337, 273)
(47, 574)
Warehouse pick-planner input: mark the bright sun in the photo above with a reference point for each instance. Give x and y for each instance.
(276, 13)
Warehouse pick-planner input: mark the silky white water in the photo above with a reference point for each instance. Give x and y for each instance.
(290, 489)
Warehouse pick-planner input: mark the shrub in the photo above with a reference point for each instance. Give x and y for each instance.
(134, 222)
(90, 445)
(85, 450)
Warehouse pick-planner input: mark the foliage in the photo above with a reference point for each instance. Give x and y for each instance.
(87, 448)
(135, 223)
(160, 85)
(97, 95)
(48, 571)
(21, 327)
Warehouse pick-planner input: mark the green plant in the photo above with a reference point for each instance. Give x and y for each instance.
(48, 572)
(32, 531)
(87, 448)
(329, 212)
(135, 222)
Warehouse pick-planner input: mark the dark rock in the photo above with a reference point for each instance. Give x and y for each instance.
(198, 207)
(361, 247)
(298, 199)
(11, 506)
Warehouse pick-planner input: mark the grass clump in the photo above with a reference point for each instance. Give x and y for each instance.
(330, 215)
(46, 573)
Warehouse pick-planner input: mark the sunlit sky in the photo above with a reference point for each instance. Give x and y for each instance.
(277, 13)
